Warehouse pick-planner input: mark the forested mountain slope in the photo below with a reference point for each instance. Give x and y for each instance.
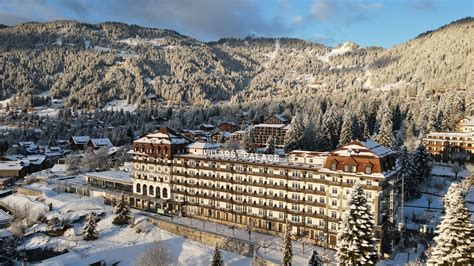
(94, 64)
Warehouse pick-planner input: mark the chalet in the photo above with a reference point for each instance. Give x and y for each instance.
(276, 119)
(100, 143)
(79, 142)
(16, 169)
(228, 126)
(465, 125)
(206, 127)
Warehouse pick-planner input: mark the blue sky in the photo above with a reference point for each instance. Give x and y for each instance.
(366, 22)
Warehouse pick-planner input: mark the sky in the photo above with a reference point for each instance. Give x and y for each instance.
(330, 22)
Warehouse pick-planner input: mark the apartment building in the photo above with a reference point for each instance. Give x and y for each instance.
(308, 190)
(451, 147)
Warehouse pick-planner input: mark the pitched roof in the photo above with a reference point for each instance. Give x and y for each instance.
(164, 135)
(103, 142)
(80, 139)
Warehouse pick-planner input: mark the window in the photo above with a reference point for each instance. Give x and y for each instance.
(333, 214)
(368, 169)
(321, 211)
(321, 223)
(310, 209)
(334, 202)
(322, 188)
(309, 220)
(321, 200)
(334, 190)
(310, 197)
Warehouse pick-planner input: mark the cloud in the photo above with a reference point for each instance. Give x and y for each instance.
(11, 19)
(296, 19)
(422, 5)
(347, 12)
(204, 19)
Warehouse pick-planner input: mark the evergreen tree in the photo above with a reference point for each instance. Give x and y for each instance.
(385, 135)
(249, 141)
(356, 237)
(455, 234)
(217, 258)
(421, 163)
(89, 229)
(270, 145)
(122, 213)
(412, 187)
(347, 130)
(295, 133)
(286, 247)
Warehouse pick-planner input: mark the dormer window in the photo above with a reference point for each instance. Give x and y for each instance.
(350, 168)
(334, 166)
(368, 169)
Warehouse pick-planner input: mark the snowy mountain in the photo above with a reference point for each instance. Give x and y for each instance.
(97, 64)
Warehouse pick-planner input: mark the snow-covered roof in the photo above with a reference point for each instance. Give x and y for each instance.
(451, 134)
(164, 136)
(468, 121)
(119, 176)
(80, 139)
(203, 145)
(376, 148)
(102, 142)
(271, 125)
(13, 165)
(5, 217)
(58, 168)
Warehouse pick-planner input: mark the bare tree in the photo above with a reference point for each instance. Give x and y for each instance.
(73, 164)
(304, 241)
(17, 228)
(250, 226)
(430, 200)
(264, 243)
(156, 255)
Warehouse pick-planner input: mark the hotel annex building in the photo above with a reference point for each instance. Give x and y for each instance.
(308, 190)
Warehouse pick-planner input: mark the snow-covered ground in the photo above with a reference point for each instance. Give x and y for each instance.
(118, 105)
(114, 244)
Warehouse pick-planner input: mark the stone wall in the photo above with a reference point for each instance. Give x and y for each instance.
(29, 191)
(235, 245)
(259, 260)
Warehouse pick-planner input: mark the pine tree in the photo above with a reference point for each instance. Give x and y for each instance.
(122, 213)
(356, 237)
(412, 187)
(421, 163)
(249, 141)
(455, 234)
(347, 130)
(295, 133)
(217, 258)
(270, 145)
(286, 247)
(385, 135)
(89, 229)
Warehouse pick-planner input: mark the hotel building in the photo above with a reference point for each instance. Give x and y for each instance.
(451, 147)
(308, 190)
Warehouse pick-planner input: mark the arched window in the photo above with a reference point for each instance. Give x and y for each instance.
(144, 190)
(165, 193)
(138, 188)
(157, 190)
(151, 190)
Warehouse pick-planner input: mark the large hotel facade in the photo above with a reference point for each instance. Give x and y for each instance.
(307, 190)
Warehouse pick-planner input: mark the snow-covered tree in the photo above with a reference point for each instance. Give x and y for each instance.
(89, 230)
(270, 145)
(385, 135)
(356, 237)
(412, 187)
(122, 213)
(347, 130)
(421, 163)
(73, 163)
(157, 255)
(249, 141)
(286, 247)
(455, 234)
(217, 258)
(295, 133)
